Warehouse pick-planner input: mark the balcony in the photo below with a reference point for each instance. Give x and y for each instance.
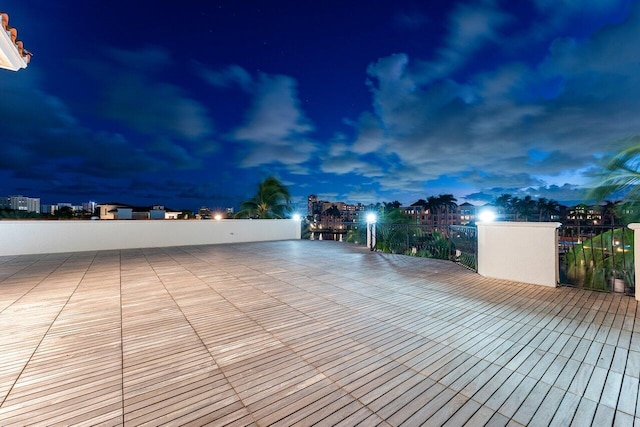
(306, 332)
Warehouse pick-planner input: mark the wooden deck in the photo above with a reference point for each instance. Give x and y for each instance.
(305, 332)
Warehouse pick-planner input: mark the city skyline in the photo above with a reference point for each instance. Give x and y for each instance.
(194, 105)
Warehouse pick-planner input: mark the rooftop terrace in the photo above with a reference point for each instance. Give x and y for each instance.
(304, 332)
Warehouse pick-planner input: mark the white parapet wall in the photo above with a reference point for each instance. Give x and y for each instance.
(636, 253)
(41, 237)
(520, 251)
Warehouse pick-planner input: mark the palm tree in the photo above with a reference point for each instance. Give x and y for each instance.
(447, 201)
(621, 179)
(546, 208)
(609, 210)
(524, 207)
(504, 203)
(622, 175)
(433, 204)
(271, 201)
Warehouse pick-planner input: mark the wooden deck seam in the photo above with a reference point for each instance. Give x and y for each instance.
(35, 350)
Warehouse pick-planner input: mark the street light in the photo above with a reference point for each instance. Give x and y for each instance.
(371, 230)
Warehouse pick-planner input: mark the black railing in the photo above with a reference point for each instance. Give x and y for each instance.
(599, 258)
(455, 243)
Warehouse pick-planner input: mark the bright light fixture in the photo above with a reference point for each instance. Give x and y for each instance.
(487, 215)
(371, 218)
(296, 217)
(217, 217)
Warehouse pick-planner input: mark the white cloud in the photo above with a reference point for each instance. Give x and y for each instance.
(575, 105)
(155, 108)
(147, 58)
(411, 21)
(471, 26)
(275, 128)
(370, 134)
(227, 77)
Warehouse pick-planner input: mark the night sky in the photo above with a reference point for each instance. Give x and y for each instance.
(192, 103)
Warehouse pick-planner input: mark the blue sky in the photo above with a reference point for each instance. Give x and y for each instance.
(192, 103)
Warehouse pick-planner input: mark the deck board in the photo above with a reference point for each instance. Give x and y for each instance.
(301, 333)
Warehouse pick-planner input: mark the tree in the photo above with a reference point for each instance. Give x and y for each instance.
(439, 207)
(392, 205)
(187, 214)
(433, 204)
(333, 211)
(394, 216)
(621, 180)
(6, 213)
(504, 201)
(609, 210)
(524, 207)
(546, 208)
(621, 176)
(65, 212)
(272, 200)
(448, 202)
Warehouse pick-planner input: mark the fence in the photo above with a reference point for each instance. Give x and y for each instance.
(597, 257)
(455, 243)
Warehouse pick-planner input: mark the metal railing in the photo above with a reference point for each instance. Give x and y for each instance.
(598, 258)
(455, 243)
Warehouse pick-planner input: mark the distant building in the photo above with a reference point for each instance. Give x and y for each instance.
(89, 207)
(418, 211)
(205, 213)
(47, 209)
(467, 213)
(585, 215)
(157, 212)
(115, 210)
(332, 219)
(21, 203)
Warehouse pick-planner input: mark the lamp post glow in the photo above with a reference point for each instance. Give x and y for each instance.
(371, 230)
(487, 215)
(298, 218)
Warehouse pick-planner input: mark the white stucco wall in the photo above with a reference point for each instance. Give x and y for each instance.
(39, 237)
(520, 251)
(636, 253)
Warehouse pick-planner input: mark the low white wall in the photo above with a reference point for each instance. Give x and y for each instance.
(40, 237)
(520, 251)
(636, 253)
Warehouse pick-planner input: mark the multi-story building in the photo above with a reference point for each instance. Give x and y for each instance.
(419, 212)
(467, 213)
(585, 215)
(21, 203)
(332, 217)
(89, 207)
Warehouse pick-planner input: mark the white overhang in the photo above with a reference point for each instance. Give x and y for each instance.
(13, 56)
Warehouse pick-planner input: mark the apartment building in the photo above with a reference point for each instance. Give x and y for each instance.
(21, 203)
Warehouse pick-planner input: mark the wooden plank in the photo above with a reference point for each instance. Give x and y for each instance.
(206, 334)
